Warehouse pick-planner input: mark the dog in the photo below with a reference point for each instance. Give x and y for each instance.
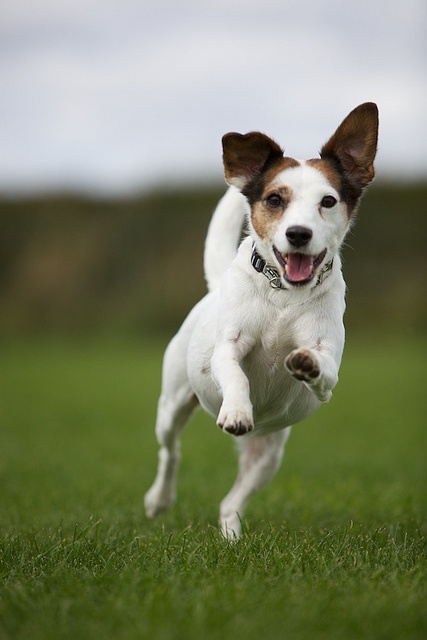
(261, 351)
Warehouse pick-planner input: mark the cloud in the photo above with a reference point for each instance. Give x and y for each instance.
(113, 96)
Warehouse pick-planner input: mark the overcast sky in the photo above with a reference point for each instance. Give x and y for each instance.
(118, 95)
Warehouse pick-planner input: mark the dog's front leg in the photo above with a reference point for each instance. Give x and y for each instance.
(235, 415)
(316, 367)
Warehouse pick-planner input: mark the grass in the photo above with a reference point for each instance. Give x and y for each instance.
(334, 548)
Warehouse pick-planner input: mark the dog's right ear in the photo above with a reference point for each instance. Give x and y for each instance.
(246, 156)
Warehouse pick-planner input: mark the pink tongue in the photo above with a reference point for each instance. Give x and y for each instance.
(298, 266)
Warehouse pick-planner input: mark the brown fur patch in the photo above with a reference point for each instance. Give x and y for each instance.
(354, 144)
(284, 163)
(330, 173)
(334, 178)
(247, 156)
(254, 190)
(351, 152)
(264, 218)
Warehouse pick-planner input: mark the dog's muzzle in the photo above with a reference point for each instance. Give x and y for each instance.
(298, 269)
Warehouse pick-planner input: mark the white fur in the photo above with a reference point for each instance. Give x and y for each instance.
(260, 359)
(233, 354)
(220, 254)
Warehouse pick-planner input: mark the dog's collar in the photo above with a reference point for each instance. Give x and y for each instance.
(272, 274)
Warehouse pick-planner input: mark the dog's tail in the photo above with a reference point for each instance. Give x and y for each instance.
(223, 237)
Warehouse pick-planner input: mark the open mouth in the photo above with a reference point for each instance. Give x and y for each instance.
(299, 268)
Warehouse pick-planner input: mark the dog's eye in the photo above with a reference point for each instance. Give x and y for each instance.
(274, 201)
(328, 202)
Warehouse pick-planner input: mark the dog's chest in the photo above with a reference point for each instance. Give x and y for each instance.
(276, 397)
(276, 338)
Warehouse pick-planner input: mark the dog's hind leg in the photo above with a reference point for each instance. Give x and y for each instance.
(260, 459)
(176, 404)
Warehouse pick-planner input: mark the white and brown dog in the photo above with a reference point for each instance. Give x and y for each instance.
(261, 351)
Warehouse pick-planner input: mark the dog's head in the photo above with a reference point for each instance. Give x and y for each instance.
(301, 210)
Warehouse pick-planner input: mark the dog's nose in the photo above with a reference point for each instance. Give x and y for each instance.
(299, 236)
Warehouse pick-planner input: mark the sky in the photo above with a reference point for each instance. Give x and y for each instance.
(117, 96)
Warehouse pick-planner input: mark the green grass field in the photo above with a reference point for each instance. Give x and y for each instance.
(334, 548)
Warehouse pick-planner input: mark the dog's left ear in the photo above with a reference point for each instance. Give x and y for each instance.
(354, 144)
(246, 156)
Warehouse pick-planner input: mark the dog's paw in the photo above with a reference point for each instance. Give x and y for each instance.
(231, 527)
(236, 422)
(158, 500)
(303, 365)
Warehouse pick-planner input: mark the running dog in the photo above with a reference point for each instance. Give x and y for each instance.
(261, 351)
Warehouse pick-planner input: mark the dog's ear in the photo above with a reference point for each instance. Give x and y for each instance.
(246, 156)
(354, 144)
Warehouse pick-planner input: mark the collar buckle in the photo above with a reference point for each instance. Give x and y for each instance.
(270, 272)
(323, 274)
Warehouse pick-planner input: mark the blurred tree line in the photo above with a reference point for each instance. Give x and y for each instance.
(70, 262)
